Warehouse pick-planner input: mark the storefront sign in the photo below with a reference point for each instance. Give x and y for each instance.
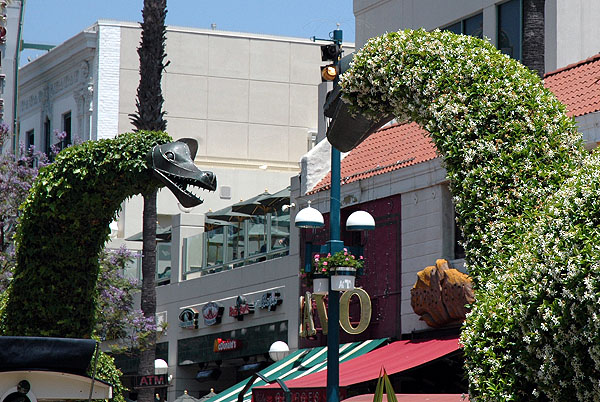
(188, 318)
(225, 345)
(151, 381)
(297, 394)
(307, 326)
(241, 308)
(212, 313)
(269, 301)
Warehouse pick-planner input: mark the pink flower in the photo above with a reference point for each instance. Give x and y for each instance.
(361, 257)
(325, 263)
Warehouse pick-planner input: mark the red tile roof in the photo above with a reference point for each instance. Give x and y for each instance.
(388, 149)
(576, 85)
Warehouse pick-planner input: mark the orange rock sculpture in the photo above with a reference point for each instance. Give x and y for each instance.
(441, 294)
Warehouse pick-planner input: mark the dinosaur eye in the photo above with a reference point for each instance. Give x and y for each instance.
(170, 155)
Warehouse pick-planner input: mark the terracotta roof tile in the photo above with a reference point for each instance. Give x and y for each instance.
(400, 145)
(390, 148)
(577, 86)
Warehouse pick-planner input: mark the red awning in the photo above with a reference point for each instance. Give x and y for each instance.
(396, 357)
(413, 398)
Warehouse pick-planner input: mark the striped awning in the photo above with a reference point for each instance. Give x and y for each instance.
(298, 364)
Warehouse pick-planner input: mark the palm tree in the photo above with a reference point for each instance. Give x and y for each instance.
(533, 35)
(150, 116)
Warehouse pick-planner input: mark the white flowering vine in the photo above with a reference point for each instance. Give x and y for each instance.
(527, 199)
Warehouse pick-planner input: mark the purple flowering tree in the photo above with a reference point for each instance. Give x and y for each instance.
(117, 319)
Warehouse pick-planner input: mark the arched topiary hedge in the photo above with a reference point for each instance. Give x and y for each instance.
(526, 196)
(64, 226)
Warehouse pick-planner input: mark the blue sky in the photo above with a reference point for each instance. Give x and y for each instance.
(53, 22)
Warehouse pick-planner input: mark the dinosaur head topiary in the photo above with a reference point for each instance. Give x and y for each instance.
(64, 225)
(173, 164)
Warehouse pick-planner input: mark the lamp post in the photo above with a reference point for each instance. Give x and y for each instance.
(306, 219)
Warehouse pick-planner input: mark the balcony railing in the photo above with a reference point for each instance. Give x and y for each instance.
(232, 245)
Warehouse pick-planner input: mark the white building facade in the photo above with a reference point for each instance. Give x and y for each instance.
(571, 28)
(249, 100)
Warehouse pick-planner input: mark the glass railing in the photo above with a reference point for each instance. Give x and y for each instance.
(232, 245)
(133, 269)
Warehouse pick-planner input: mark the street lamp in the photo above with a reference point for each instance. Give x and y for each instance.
(361, 221)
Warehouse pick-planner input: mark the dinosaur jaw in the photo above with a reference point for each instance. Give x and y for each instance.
(180, 186)
(173, 164)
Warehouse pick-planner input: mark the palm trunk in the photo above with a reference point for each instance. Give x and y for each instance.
(533, 35)
(148, 303)
(150, 116)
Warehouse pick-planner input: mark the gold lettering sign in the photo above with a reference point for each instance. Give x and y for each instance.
(307, 324)
(365, 311)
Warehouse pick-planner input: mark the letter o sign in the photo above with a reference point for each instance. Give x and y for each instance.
(365, 311)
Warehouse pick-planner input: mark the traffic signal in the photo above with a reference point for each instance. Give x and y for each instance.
(331, 52)
(346, 130)
(329, 72)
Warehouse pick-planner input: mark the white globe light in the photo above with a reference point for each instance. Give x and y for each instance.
(160, 367)
(309, 218)
(279, 350)
(360, 220)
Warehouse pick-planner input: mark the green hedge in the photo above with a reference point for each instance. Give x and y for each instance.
(525, 193)
(64, 226)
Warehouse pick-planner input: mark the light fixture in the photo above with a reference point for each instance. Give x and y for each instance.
(279, 350)
(309, 218)
(160, 367)
(360, 220)
(329, 72)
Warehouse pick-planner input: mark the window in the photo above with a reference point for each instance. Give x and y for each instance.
(47, 137)
(472, 26)
(30, 138)
(510, 28)
(66, 126)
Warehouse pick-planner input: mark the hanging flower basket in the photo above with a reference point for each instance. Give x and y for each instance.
(343, 278)
(320, 284)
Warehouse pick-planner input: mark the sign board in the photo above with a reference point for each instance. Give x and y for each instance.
(241, 308)
(307, 324)
(188, 318)
(269, 301)
(150, 381)
(225, 345)
(297, 394)
(212, 313)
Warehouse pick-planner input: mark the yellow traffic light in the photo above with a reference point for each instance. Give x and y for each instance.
(329, 72)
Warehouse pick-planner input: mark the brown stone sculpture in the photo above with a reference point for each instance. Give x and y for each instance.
(441, 294)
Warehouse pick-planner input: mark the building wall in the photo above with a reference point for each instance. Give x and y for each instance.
(249, 100)
(571, 26)
(251, 282)
(425, 222)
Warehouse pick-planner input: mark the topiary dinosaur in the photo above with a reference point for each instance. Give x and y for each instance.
(526, 196)
(64, 225)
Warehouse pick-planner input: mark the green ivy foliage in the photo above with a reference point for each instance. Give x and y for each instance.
(525, 193)
(63, 227)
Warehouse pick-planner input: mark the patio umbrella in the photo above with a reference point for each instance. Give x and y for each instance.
(227, 215)
(209, 395)
(185, 397)
(252, 206)
(276, 200)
